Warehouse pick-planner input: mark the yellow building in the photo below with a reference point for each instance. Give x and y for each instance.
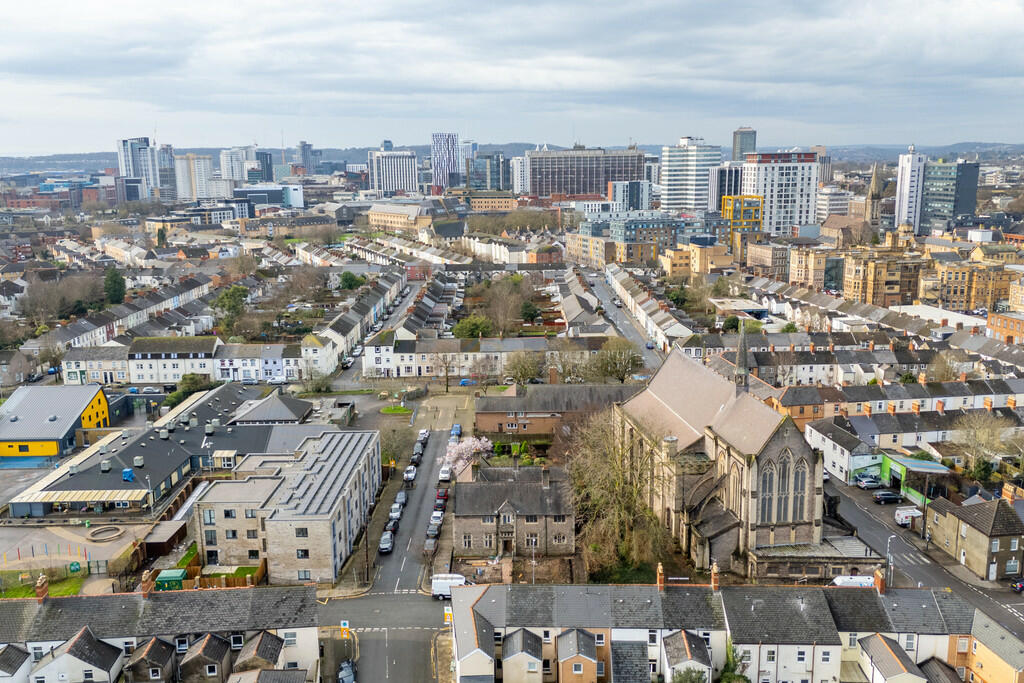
(635, 252)
(994, 655)
(807, 266)
(744, 213)
(1002, 252)
(881, 277)
(675, 262)
(492, 201)
(594, 252)
(704, 259)
(397, 217)
(966, 285)
(42, 421)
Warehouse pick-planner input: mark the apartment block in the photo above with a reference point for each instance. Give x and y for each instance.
(807, 267)
(881, 278)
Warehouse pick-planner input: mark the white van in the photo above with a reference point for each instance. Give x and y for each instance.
(862, 581)
(906, 514)
(441, 585)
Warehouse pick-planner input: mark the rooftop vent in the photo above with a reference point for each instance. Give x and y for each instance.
(138, 461)
(209, 430)
(52, 418)
(72, 470)
(14, 418)
(104, 465)
(215, 422)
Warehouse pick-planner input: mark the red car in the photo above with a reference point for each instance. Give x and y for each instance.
(442, 494)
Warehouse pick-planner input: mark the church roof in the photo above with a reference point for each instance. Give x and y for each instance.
(875, 190)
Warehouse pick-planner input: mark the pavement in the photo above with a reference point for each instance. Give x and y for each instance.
(394, 622)
(625, 323)
(916, 563)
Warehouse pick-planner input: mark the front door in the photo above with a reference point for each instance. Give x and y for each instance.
(992, 572)
(963, 557)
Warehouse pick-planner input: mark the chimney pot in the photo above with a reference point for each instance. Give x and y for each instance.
(916, 407)
(1011, 402)
(988, 403)
(661, 577)
(922, 378)
(940, 407)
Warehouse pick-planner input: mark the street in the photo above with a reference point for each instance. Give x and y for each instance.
(624, 322)
(875, 524)
(395, 623)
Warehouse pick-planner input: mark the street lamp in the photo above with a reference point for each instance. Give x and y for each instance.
(888, 560)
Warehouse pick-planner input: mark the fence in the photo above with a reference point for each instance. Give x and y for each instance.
(194, 572)
(20, 582)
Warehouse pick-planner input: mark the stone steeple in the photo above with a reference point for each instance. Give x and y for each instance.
(873, 202)
(875, 190)
(741, 376)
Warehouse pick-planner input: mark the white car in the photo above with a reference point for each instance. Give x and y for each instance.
(357, 351)
(277, 381)
(410, 473)
(437, 517)
(445, 474)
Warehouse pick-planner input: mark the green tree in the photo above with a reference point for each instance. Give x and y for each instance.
(529, 311)
(230, 304)
(689, 676)
(731, 324)
(350, 280)
(473, 326)
(908, 378)
(113, 286)
(617, 359)
(789, 328)
(161, 237)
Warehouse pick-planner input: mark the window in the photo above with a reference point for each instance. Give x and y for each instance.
(210, 537)
(291, 665)
(237, 640)
(545, 666)
(208, 517)
(560, 538)
(154, 674)
(961, 672)
(974, 647)
(254, 554)
(289, 638)
(995, 545)
(1012, 565)
(230, 534)
(250, 533)
(40, 679)
(600, 668)
(531, 667)
(771, 655)
(250, 513)
(767, 487)
(799, 492)
(487, 519)
(963, 531)
(531, 519)
(909, 645)
(129, 647)
(229, 514)
(181, 644)
(1013, 544)
(826, 656)
(303, 575)
(652, 664)
(782, 506)
(302, 553)
(488, 540)
(531, 540)
(507, 518)
(301, 532)
(86, 674)
(577, 668)
(652, 637)
(467, 541)
(211, 670)
(559, 519)
(801, 655)
(961, 645)
(545, 636)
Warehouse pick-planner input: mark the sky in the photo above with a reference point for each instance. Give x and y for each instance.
(75, 76)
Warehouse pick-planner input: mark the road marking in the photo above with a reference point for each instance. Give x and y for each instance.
(386, 672)
(404, 558)
(396, 583)
(407, 546)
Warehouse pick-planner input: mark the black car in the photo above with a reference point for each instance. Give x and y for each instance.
(1017, 586)
(387, 543)
(885, 497)
(391, 526)
(416, 458)
(440, 503)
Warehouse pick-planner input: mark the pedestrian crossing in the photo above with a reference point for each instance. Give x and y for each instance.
(904, 559)
(381, 629)
(403, 591)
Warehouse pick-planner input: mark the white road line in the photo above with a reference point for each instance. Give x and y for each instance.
(386, 672)
(396, 583)
(404, 558)
(407, 546)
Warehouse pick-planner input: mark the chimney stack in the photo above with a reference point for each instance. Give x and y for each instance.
(892, 407)
(42, 588)
(879, 582)
(147, 583)
(892, 344)
(545, 477)
(867, 409)
(715, 583)
(963, 376)
(669, 446)
(916, 407)
(1011, 402)
(831, 348)
(922, 378)
(661, 577)
(812, 347)
(945, 322)
(940, 407)
(988, 403)
(871, 345)
(771, 348)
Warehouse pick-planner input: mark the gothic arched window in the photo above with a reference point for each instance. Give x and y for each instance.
(767, 489)
(782, 508)
(799, 492)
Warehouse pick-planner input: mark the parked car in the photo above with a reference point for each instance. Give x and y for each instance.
(423, 435)
(509, 380)
(357, 351)
(825, 476)
(440, 504)
(387, 543)
(150, 390)
(33, 377)
(277, 381)
(1017, 586)
(347, 363)
(445, 474)
(650, 345)
(618, 303)
(133, 390)
(429, 546)
(410, 473)
(392, 526)
(886, 497)
(442, 494)
(347, 672)
(437, 517)
(433, 530)
(416, 458)
(248, 381)
(396, 511)
(417, 448)
(467, 382)
(456, 429)
(868, 484)
(401, 498)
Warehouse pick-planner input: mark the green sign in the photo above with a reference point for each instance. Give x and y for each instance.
(74, 567)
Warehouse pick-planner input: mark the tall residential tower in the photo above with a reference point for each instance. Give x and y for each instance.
(684, 173)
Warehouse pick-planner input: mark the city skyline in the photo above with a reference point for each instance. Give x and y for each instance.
(349, 78)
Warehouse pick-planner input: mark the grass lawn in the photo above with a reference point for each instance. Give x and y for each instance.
(187, 557)
(349, 392)
(239, 571)
(69, 586)
(395, 410)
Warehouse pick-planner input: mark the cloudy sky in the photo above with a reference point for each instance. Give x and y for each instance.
(75, 75)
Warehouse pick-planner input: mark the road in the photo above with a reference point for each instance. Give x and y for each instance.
(875, 524)
(624, 322)
(395, 623)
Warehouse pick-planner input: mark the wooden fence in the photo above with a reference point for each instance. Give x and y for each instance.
(195, 568)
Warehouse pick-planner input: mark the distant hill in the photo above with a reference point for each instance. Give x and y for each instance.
(97, 161)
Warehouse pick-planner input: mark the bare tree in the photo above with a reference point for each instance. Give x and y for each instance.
(699, 293)
(53, 356)
(523, 366)
(617, 359)
(943, 368)
(981, 435)
(242, 265)
(444, 365)
(570, 360)
(504, 303)
(611, 481)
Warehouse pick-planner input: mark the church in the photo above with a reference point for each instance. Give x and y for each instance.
(733, 480)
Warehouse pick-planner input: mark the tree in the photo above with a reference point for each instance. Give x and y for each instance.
(242, 265)
(230, 304)
(980, 434)
(698, 293)
(529, 311)
(396, 442)
(52, 356)
(617, 359)
(305, 282)
(161, 237)
(689, 676)
(314, 381)
(445, 365)
(505, 303)
(522, 366)
(943, 368)
(350, 280)
(611, 482)
(731, 324)
(113, 286)
(473, 326)
(908, 378)
(789, 328)
(567, 358)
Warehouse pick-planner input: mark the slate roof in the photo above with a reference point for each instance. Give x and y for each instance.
(629, 662)
(477, 498)
(768, 614)
(521, 641)
(11, 659)
(274, 408)
(557, 398)
(27, 414)
(887, 656)
(210, 647)
(87, 648)
(173, 345)
(684, 646)
(269, 676)
(923, 610)
(857, 610)
(937, 671)
(992, 518)
(263, 645)
(576, 643)
(155, 651)
(996, 638)
(164, 613)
